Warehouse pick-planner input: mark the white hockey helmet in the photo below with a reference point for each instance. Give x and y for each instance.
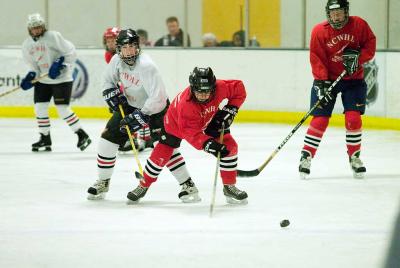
(35, 20)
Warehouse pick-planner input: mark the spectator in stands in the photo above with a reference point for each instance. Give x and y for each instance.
(143, 38)
(209, 40)
(175, 35)
(238, 40)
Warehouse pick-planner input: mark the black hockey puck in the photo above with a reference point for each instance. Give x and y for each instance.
(284, 223)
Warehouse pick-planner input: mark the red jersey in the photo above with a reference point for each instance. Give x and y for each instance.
(108, 55)
(187, 119)
(327, 45)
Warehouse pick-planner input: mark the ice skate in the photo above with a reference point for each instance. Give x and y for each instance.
(305, 164)
(43, 143)
(357, 166)
(234, 195)
(98, 190)
(83, 139)
(189, 192)
(136, 194)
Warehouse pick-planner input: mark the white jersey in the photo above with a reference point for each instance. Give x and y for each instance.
(141, 83)
(40, 54)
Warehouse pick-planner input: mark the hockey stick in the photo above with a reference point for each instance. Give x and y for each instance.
(255, 172)
(221, 139)
(15, 89)
(135, 152)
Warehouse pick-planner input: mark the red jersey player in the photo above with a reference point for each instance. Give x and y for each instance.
(109, 37)
(342, 42)
(194, 116)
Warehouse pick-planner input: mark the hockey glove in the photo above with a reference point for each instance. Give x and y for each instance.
(134, 121)
(350, 60)
(321, 89)
(55, 68)
(213, 147)
(114, 97)
(222, 117)
(26, 83)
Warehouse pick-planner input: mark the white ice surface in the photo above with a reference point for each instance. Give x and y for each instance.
(336, 221)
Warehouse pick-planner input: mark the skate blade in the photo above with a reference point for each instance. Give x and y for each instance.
(131, 202)
(85, 144)
(303, 175)
(190, 198)
(39, 149)
(359, 175)
(233, 201)
(96, 197)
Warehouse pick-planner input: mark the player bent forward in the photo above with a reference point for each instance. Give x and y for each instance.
(145, 102)
(48, 52)
(194, 116)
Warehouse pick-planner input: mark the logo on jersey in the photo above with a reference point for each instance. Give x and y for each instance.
(81, 80)
(341, 37)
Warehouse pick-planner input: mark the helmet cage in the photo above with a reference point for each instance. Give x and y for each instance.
(334, 5)
(34, 21)
(202, 80)
(110, 33)
(128, 37)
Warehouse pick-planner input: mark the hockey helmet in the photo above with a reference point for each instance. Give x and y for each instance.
(111, 32)
(202, 80)
(34, 21)
(130, 37)
(334, 5)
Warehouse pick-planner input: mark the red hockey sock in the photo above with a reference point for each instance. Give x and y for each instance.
(314, 133)
(353, 131)
(158, 159)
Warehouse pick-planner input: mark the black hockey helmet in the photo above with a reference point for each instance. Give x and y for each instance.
(202, 80)
(124, 37)
(337, 4)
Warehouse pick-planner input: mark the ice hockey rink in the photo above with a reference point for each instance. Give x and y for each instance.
(336, 220)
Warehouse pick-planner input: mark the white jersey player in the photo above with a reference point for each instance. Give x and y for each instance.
(133, 81)
(47, 52)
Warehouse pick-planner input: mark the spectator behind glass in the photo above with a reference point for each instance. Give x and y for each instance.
(143, 38)
(238, 40)
(174, 37)
(209, 40)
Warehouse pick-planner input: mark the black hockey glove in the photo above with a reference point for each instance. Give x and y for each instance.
(213, 147)
(55, 68)
(321, 89)
(134, 121)
(224, 116)
(26, 83)
(350, 60)
(114, 97)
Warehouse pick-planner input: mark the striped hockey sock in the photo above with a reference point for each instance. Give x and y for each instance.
(314, 133)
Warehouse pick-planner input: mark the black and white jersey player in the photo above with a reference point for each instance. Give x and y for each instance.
(132, 81)
(47, 52)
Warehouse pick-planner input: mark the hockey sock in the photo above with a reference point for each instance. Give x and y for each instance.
(106, 157)
(228, 166)
(144, 133)
(177, 166)
(314, 133)
(42, 117)
(353, 131)
(69, 117)
(159, 157)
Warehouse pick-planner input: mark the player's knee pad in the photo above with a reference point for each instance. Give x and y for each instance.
(42, 109)
(353, 120)
(64, 110)
(161, 154)
(320, 123)
(230, 144)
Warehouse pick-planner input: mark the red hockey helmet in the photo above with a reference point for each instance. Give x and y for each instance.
(110, 33)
